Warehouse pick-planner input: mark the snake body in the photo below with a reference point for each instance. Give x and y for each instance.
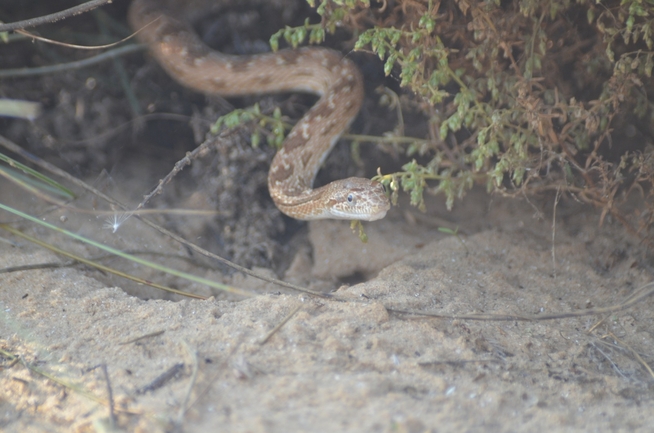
(166, 29)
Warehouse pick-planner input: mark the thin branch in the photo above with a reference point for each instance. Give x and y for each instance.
(110, 396)
(280, 324)
(43, 70)
(637, 297)
(83, 47)
(57, 16)
(13, 147)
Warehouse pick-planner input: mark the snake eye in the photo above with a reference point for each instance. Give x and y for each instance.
(350, 198)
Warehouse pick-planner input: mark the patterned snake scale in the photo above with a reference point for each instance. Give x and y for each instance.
(166, 28)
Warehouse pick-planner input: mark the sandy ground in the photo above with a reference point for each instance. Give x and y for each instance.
(352, 363)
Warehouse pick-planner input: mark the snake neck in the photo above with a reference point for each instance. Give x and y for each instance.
(173, 42)
(307, 205)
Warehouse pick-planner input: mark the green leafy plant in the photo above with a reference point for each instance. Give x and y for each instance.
(273, 127)
(526, 97)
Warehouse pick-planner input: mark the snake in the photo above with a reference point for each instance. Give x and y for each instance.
(166, 28)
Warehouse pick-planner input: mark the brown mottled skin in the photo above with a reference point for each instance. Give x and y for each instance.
(166, 30)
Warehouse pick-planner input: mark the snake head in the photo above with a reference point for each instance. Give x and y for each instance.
(356, 198)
